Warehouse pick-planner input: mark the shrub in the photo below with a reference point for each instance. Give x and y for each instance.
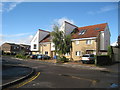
(110, 51)
(20, 56)
(27, 56)
(62, 59)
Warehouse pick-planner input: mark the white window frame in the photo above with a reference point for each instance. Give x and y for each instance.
(76, 42)
(82, 32)
(67, 54)
(78, 53)
(88, 42)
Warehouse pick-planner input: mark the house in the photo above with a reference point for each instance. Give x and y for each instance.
(35, 46)
(25, 48)
(88, 39)
(12, 48)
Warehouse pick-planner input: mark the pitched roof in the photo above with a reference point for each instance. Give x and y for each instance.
(91, 31)
(70, 24)
(46, 39)
(44, 30)
(24, 45)
(12, 44)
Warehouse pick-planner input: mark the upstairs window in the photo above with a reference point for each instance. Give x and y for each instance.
(97, 28)
(88, 42)
(35, 46)
(82, 32)
(14, 47)
(77, 42)
(45, 45)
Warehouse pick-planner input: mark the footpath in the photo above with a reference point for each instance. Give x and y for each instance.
(12, 74)
(110, 68)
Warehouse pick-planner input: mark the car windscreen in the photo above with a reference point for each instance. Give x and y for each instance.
(91, 55)
(85, 56)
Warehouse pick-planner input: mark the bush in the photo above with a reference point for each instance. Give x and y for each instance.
(27, 56)
(20, 56)
(62, 59)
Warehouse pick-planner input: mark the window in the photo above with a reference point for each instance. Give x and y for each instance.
(45, 45)
(53, 45)
(97, 28)
(92, 55)
(88, 42)
(78, 53)
(82, 32)
(35, 46)
(77, 42)
(46, 52)
(14, 47)
(67, 54)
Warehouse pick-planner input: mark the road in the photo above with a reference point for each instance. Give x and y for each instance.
(56, 76)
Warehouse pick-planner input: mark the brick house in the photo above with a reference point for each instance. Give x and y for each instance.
(88, 39)
(12, 48)
(25, 48)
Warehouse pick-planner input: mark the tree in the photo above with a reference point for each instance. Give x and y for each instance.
(61, 40)
(110, 53)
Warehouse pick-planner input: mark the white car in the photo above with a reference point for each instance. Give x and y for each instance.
(88, 58)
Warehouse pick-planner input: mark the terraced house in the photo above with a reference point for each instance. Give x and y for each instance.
(88, 39)
(12, 48)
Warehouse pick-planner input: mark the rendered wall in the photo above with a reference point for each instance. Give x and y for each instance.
(36, 39)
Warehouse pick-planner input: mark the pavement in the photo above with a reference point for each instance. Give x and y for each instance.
(111, 68)
(14, 73)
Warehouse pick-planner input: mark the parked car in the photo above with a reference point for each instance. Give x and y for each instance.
(42, 56)
(88, 58)
(46, 57)
(33, 56)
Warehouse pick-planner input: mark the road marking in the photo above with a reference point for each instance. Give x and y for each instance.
(93, 81)
(24, 83)
(70, 76)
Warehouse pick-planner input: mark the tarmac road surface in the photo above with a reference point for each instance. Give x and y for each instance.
(56, 76)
